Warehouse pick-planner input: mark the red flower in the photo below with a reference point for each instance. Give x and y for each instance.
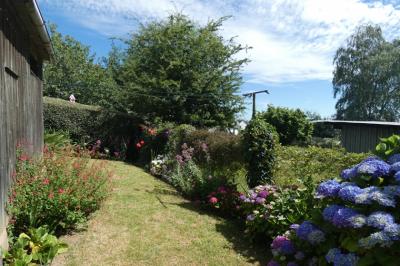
(46, 181)
(138, 145)
(61, 191)
(142, 142)
(51, 195)
(213, 200)
(23, 157)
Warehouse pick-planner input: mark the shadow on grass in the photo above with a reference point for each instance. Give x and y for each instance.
(233, 231)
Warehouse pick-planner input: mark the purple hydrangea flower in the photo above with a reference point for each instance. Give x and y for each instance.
(263, 194)
(394, 158)
(272, 263)
(291, 263)
(328, 188)
(373, 167)
(348, 174)
(380, 219)
(250, 217)
(294, 226)
(350, 192)
(260, 200)
(330, 211)
(242, 197)
(283, 245)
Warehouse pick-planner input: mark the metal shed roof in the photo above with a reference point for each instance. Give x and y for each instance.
(361, 123)
(32, 17)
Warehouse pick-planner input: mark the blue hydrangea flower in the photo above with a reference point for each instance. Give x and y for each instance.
(294, 226)
(394, 168)
(373, 167)
(316, 237)
(392, 190)
(394, 158)
(328, 188)
(380, 219)
(309, 232)
(381, 238)
(349, 259)
(332, 253)
(393, 230)
(397, 177)
(350, 192)
(346, 217)
(348, 174)
(382, 198)
(330, 211)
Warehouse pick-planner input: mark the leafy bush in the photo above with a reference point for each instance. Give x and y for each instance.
(259, 141)
(38, 247)
(291, 125)
(87, 124)
(56, 139)
(359, 224)
(270, 209)
(58, 190)
(223, 197)
(320, 163)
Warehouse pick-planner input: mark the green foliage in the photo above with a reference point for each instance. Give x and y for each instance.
(56, 139)
(74, 71)
(259, 142)
(320, 163)
(187, 178)
(388, 146)
(58, 190)
(270, 210)
(292, 125)
(322, 130)
(366, 77)
(87, 124)
(177, 137)
(37, 247)
(182, 72)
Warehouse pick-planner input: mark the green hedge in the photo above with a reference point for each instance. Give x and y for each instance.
(87, 124)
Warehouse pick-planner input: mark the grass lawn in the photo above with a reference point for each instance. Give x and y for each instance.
(145, 222)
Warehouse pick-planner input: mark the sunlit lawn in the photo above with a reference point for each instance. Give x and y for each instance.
(145, 222)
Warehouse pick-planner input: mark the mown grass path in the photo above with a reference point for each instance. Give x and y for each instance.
(145, 222)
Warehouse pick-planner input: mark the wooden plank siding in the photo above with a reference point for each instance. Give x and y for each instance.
(364, 138)
(21, 115)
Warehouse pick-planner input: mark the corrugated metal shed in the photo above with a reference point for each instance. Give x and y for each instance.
(362, 136)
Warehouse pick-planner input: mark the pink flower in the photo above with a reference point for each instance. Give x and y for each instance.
(142, 142)
(51, 195)
(46, 181)
(23, 157)
(213, 200)
(61, 191)
(138, 145)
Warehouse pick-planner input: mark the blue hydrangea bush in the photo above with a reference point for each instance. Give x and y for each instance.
(359, 222)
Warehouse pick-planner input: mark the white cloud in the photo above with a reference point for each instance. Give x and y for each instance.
(292, 40)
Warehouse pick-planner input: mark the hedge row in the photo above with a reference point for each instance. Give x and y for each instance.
(87, 124)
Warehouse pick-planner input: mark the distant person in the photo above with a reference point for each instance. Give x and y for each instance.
(72, 98)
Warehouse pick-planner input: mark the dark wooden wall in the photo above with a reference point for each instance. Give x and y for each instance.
(364, 138)
(21, 118)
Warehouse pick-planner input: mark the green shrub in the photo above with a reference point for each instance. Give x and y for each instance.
(56, 139)
(259, 142)
(87, 124)
(291, 125)
(58, 190)
(37, 247)
(320, 163)
(219, 152)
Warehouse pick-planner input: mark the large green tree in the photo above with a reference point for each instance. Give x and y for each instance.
(74, 70)
(367, 77)
(179, 71)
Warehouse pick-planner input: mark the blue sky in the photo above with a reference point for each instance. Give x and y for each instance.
(293, 41)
